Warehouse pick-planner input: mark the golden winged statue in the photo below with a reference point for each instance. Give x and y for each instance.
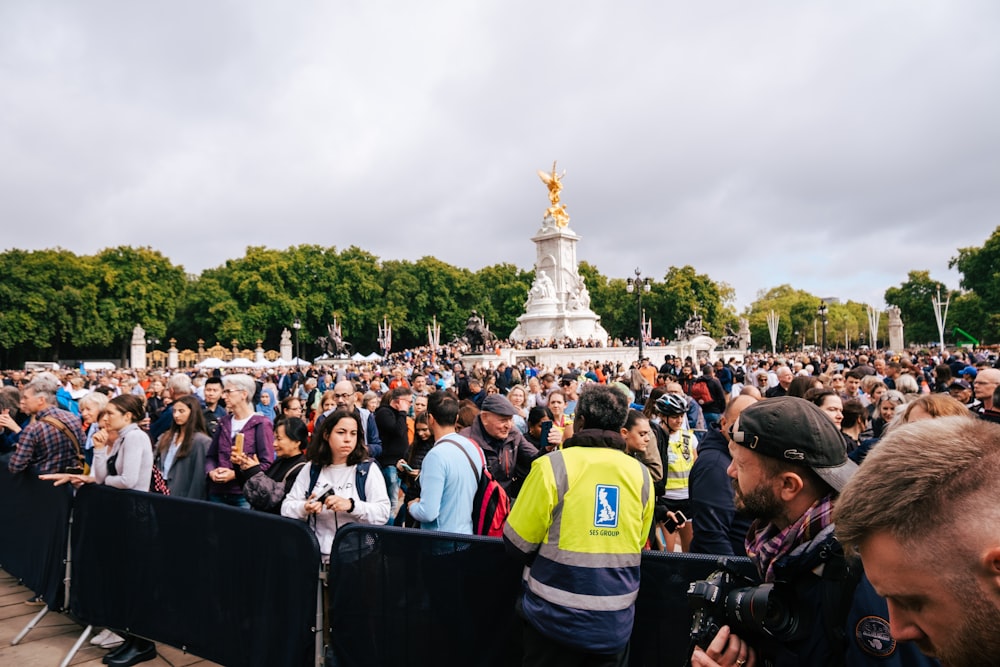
(556, 211)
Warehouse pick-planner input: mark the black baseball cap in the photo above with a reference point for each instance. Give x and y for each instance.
(792, 429)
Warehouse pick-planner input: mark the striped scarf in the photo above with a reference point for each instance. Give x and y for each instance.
(766, 543)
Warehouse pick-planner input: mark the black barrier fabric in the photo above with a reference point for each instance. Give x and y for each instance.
(34, 523)
(424, 598)
(413, 597)
(234, 586)
(662, 614)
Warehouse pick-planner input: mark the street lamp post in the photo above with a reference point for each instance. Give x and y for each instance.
(639, 285)
(153, 342)
(822, 312)
(297, 324)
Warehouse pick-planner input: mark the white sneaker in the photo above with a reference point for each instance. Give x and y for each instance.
(107, 639)
(101, 637)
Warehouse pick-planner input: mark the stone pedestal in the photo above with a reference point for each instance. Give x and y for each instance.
(137, 356)
(558, 304)
(896, 342)
(173, 355)
(285, 347)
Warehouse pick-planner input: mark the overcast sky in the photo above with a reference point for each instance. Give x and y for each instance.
(833, 146)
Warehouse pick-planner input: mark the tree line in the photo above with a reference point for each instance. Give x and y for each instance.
(55, 304)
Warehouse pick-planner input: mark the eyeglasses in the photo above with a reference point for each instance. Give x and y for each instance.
(342, 395)
(229, 391)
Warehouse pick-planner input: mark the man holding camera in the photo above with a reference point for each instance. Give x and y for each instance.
(929, 535)
(789, 465)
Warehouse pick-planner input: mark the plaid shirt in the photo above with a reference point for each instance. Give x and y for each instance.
(45, 446)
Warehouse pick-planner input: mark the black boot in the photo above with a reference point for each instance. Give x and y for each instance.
(129, 640)
(141, 650)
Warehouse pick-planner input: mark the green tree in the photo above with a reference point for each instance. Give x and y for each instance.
(609, 300)
(913, 297)
(49, 303)
(684, 292)
(207, 311)
(137, 286)
(796, 311)
(501, 290)
(980, 269)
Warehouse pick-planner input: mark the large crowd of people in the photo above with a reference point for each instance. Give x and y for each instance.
(731, 457)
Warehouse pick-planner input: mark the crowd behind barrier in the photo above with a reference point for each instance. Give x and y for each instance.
(240, 588)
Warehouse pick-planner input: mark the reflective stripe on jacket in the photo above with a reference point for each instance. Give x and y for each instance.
(681, 455)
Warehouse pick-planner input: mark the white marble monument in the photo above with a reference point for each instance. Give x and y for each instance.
(558, 304)
(896, 342)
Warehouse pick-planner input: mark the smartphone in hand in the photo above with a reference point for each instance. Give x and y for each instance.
(546, 429)
(672, 525)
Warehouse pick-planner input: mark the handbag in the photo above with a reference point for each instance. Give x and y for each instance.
(156, 482)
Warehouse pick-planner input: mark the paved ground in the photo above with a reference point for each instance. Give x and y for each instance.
(49, 643)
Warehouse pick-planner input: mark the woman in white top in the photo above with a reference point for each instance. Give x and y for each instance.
(128, 462)
(334, 501)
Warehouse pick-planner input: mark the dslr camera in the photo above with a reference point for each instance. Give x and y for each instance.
(726, 597)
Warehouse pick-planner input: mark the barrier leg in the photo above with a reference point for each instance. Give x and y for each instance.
(30, 626)
(320, 629)
(76, 647)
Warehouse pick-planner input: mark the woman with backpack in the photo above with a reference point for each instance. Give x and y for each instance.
(265, 490)
(340, 485)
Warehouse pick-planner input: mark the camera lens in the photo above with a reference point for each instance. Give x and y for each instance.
(761, 609)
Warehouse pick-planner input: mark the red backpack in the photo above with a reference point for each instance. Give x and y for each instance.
(700, 392)
(490, 505)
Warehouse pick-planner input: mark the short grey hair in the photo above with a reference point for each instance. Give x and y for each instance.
(241, 381)
(96, 399)
(179, 384)
(45, 384)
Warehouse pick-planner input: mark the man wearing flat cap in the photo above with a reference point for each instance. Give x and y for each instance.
(508, 452)
(789, 466)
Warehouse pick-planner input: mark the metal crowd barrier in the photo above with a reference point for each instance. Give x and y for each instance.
(415, 597)
(245, 588)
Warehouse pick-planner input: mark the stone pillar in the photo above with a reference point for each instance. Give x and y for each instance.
(172, 361)
(258, 353)
(285, 349)
(896, 343)
(138, 351)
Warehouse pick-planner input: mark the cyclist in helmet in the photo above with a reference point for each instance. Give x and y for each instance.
(677, 445)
